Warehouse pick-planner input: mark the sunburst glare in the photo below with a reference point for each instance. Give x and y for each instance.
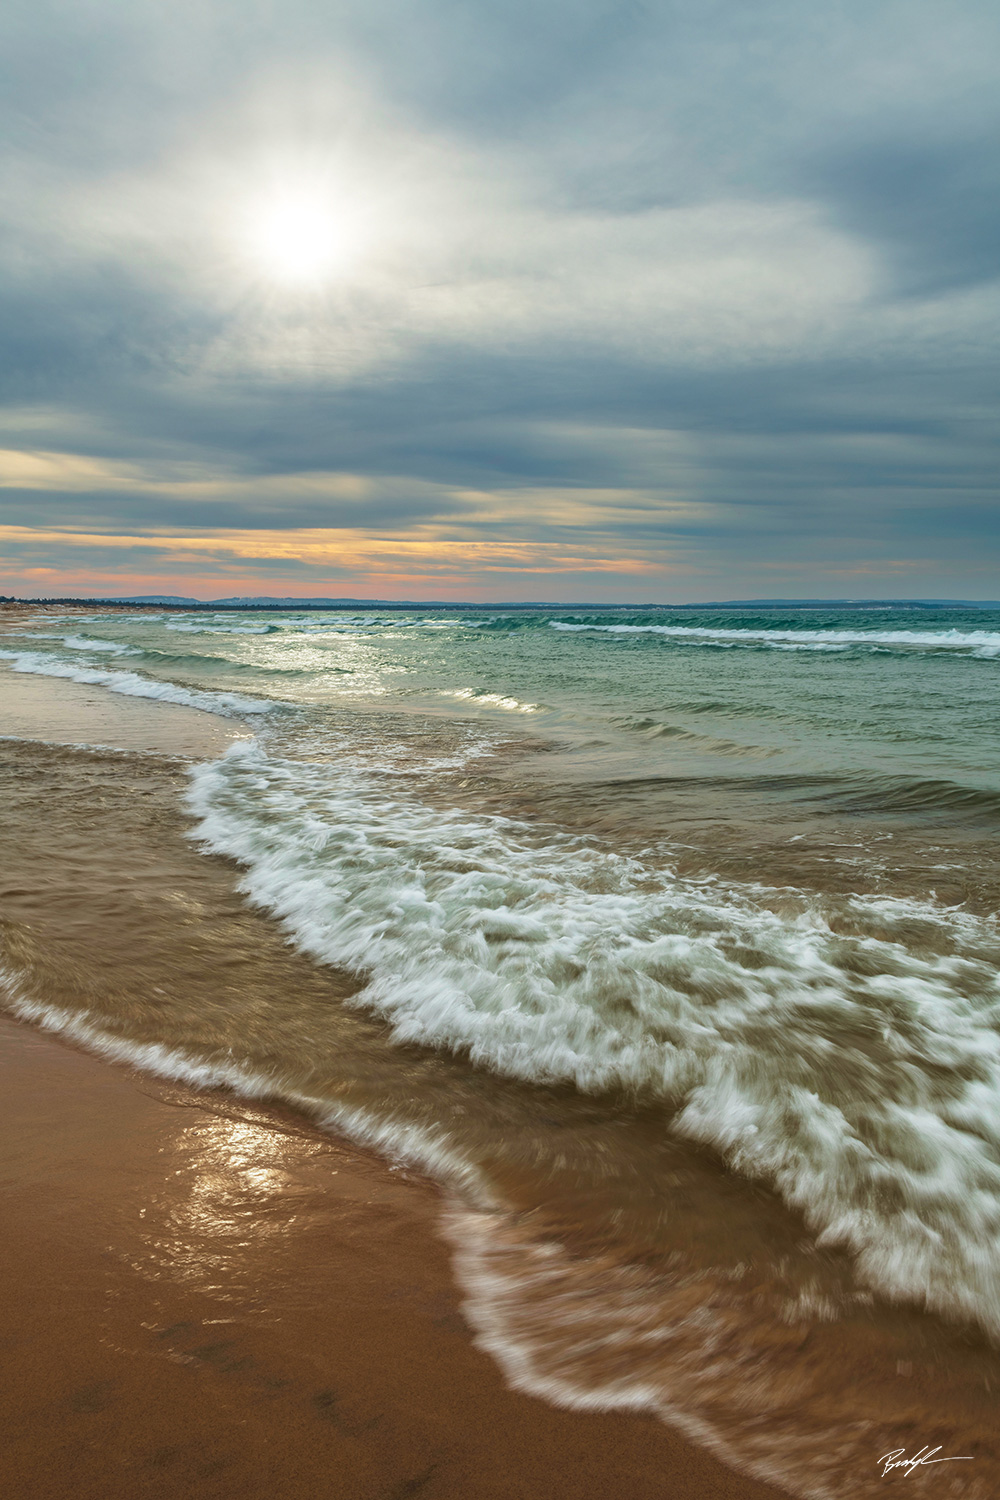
(297, 236)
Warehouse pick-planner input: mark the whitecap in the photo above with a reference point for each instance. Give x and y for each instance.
(978, 641)
(222, 629)
(857, 1075)
(491, 700)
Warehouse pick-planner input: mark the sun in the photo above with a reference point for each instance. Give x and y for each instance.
(296, 237)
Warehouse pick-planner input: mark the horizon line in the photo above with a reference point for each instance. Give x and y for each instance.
(272, 601)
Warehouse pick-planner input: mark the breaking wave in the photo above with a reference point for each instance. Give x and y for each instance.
(490, 700)
(80, 642)
(848, 1056)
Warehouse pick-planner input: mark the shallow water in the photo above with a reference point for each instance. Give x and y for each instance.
(670, 949)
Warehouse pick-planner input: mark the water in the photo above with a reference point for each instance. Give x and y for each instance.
(667, 940)
(876, 703)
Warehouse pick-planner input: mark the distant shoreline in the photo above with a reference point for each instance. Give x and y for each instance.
(478, 606)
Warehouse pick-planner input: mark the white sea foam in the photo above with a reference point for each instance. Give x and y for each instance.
(857, 1075)
(978, 642)
(79, 642)
(402, 1141)
(326, 632)
(94, 643)
(703, 1347)
(491, 700)
(694, 1347)
(222, 629)
(134, 686)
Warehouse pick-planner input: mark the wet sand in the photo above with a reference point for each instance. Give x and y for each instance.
(207, 1298)
(63, 712)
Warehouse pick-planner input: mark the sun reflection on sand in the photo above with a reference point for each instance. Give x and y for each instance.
(230, 1197)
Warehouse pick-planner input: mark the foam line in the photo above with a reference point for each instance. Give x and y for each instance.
(133, 686)
(979, 642)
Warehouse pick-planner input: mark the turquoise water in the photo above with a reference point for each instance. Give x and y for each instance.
(869, 710)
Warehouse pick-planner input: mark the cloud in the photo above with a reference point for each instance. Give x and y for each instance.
(934, 205)
(67, 486)
(624, 288)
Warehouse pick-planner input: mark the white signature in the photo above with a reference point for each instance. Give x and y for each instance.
(897, 1459)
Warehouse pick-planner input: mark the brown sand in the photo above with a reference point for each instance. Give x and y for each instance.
(207, 1298)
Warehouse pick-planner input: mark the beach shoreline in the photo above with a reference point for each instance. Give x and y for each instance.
(620, 1302)
(216, 1298)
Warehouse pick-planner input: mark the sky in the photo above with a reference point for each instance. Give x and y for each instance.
(461, 300)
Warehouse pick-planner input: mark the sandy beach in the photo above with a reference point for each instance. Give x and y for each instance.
(210, 1297)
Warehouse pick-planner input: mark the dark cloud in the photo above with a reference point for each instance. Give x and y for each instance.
(933, 205)
(735, 265)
